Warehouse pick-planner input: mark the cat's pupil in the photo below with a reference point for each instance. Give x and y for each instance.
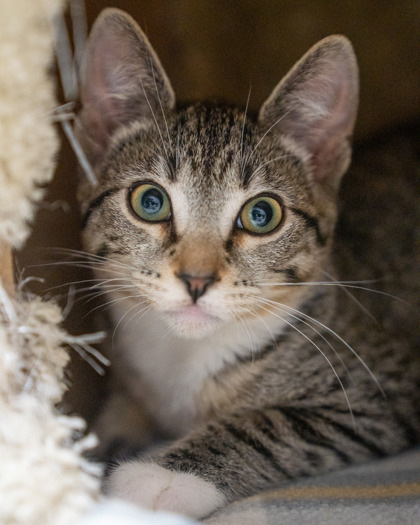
(152, 201)
(261, 214)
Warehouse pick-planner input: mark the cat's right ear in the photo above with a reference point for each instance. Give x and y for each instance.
(121, 81)
(316, 105)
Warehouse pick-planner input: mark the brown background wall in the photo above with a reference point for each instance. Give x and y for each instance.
(217, 49)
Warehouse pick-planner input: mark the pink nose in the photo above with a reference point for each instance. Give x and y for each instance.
(197, 285)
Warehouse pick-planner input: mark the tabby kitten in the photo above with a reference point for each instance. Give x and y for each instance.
(212, 231)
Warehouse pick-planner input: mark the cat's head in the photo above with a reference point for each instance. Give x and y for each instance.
(202, 212)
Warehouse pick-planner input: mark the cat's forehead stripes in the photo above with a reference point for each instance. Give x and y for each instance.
(210, 139)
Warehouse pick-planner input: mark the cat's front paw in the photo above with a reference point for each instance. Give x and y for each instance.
(157, 488)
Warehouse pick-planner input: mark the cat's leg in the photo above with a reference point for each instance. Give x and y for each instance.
(122, 428)
(242, 455)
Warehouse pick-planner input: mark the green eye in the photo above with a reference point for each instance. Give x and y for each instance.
(260, 215)
(150, 203)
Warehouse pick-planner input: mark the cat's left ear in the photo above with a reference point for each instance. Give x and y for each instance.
(316, 105)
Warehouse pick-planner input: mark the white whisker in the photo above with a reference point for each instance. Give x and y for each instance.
(306, 323)
(96, 283)
(95, 295)
(314, 283)
(369, 371)
(323, 355)
(177, 151)
(154, 119)
(109, 304)
(352, 297)
(140, 315)
(341, 284)
(137, 305)
(251, 340)
(243, 131)
(262, 166)
(266, 133)
(160, 100)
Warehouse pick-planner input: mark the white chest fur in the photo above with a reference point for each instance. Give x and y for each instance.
(166, 372)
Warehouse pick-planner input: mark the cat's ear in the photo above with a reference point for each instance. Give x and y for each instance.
(316, 105)
(121, 80)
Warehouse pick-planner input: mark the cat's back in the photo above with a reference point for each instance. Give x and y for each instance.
(377, 236)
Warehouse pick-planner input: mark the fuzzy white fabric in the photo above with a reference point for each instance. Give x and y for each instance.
(28, 142)
(43, 477)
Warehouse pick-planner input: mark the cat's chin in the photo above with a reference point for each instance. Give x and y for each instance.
(192, 322)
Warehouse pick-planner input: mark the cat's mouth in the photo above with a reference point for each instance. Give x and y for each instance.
(192, 321)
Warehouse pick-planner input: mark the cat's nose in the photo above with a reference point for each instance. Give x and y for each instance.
(197, 285)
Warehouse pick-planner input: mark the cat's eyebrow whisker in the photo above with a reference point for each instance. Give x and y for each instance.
(266, 133)
(160, 100)
(262, 166)
(323, 355)
(331, 331)
(154, 119)
(243, 132)
(177, 151)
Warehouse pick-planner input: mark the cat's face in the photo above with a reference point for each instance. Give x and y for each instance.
(201, 214)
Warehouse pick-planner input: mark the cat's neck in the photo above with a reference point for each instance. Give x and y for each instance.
(173, 369)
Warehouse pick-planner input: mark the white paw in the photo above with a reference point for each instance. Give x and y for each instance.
(154, 487)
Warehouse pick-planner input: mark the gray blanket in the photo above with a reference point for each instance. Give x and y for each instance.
(385, 492)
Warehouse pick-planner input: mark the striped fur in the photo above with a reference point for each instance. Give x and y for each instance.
(275, 371)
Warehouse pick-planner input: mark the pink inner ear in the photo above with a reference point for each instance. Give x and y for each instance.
(122, 80)
(99, 92)
(316, 105)
(325, 136)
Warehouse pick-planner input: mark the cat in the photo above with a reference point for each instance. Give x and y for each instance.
(254, 340)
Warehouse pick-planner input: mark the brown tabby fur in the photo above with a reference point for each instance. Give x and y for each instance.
(305, 357)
